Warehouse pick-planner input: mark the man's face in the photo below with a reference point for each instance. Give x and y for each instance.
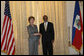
(45, 19)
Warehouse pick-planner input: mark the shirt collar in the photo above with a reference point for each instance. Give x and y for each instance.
(45, 22)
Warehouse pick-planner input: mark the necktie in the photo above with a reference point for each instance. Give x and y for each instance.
(45, 25)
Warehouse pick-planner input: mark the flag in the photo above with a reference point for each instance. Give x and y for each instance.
(7, 36)
(77, 28)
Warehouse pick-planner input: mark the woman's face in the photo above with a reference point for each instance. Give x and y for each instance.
(31, 21)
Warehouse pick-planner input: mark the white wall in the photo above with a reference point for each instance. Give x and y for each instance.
(70, 12)
(2, 10)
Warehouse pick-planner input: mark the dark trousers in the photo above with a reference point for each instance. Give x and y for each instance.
(47, 47)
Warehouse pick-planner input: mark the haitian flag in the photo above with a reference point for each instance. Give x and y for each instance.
(77, 28)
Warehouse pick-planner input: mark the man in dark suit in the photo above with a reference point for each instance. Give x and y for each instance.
(47, 31)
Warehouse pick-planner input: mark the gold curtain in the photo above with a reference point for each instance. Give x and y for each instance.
(56, 12)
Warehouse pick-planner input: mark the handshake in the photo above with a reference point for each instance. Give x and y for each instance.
(37, 34)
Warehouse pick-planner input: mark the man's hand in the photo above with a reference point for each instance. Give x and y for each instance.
(52, 41)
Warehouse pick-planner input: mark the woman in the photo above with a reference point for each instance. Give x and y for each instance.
(33, 37)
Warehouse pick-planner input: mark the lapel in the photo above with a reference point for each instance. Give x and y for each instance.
(47, 26)
(43, 27)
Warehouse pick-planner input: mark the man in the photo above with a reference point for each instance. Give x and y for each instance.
(47, 31)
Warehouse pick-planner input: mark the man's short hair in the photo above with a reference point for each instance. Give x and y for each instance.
(45, 16)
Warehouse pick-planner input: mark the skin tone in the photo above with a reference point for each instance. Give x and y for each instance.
(45, 19)
(32, 24)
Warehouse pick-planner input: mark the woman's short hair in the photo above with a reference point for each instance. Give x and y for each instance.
(31, 17)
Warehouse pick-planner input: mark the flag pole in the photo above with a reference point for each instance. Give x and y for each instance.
(69, 35)
(79, 53)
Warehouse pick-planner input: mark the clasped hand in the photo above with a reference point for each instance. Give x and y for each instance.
(36, 34)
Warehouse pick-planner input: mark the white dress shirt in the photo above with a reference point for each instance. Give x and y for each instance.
(45, 25)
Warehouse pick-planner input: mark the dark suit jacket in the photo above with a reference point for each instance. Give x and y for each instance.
(47, 35)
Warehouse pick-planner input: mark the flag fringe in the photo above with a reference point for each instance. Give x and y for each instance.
(4, 52)
(76, 48)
